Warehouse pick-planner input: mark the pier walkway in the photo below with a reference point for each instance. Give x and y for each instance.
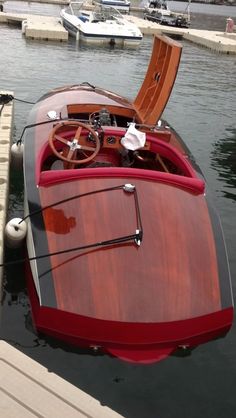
(36, 26)
(6, 116)
(215, 40)
(27, 390)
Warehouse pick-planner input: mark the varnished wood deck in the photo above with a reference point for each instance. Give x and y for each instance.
(173, 275)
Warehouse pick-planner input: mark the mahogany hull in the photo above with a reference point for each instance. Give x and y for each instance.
(139, 272)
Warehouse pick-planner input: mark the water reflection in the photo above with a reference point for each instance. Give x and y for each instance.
(224, 161)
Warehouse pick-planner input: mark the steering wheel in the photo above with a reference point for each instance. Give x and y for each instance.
(73, 144)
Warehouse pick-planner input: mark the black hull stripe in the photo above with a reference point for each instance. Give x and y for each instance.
(223, 264)
(48, 297)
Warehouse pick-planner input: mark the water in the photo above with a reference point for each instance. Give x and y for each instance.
(202, 109)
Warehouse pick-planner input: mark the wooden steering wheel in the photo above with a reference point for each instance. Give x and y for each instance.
(73, 143)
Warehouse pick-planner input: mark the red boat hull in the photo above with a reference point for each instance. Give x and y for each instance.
(141, 344)
(126, 252)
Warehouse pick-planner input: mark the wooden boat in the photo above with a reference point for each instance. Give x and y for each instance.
(126, 252)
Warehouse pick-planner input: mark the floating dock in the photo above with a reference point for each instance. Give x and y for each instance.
(215, 40)
(27, 389)
(47, 28)
(6, 115)
(51, 28)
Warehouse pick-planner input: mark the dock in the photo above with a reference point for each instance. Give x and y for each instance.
(27, 389)
(47, 28)
(215, 40)
(6, 117)
(44, 28)
(51, 28)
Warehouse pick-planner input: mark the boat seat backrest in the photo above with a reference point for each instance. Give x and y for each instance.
(192, 184)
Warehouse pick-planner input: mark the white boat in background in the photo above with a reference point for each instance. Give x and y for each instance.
(121, 5)
(161, 6)
(158, 11)
(100, 26)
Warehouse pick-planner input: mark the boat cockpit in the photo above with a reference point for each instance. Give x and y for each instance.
(97, 140)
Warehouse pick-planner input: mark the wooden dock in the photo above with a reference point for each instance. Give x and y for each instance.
(51, 28)
(27, 389)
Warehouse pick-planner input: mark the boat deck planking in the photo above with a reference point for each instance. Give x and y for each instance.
(182, 278)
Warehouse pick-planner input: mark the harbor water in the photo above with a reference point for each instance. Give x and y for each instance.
(202, 109)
